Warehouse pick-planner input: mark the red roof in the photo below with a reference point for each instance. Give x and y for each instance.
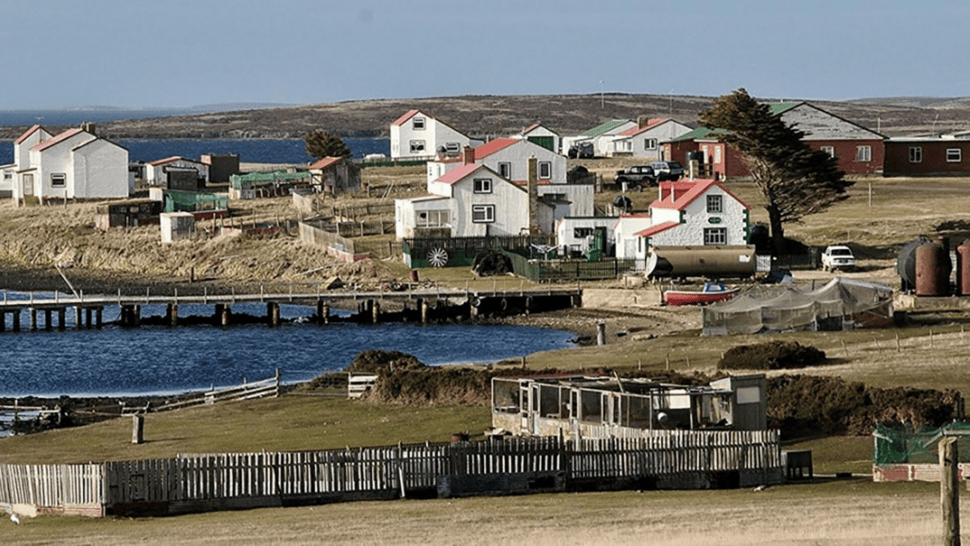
(653, 230)
(59, 138)
(158, 162)
(634, 131)
(459, 172)
(325, 162)
(685, 192)
(530, 128)
(29, 132)
(493, 146)
(408, 115)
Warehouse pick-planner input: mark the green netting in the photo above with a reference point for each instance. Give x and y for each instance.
(240, 181)
(917, 445)
(189, 201)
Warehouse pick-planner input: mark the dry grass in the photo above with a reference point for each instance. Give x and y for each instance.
(846, 512)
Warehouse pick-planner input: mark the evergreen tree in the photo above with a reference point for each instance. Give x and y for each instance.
(795, 179)
(320, 144)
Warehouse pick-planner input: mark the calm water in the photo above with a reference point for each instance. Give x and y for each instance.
(249, 151)
(156, 360)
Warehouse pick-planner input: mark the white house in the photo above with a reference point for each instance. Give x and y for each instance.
(416, 135)
(600, 136)
(157, 172)
(75, 164)
(509, 157)
(643, 141)
(472, 200)
(575, 235)
(695, 213)
(625, 234)
(541, 135)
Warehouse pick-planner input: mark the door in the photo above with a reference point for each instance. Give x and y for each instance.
(28, 185)
(524, 407)
(546, 142)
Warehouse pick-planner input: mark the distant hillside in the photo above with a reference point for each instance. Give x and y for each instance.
(488, 115)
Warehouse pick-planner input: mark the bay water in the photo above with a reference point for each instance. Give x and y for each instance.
(117, 361)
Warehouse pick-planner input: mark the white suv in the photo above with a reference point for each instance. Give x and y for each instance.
(837, 257)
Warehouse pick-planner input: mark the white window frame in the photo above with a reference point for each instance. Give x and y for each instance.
(482, 185)
(418, 124)
(545, 170)
(715, 236)
(58, 180)
(717, 155)
(649, 144)
(452, 147)
(954, 155)
(715, 204)
(863, 154)
(417, 146)
(432, 218)
(505, 170)
(828, 149)
(915, 154)
(483, 214)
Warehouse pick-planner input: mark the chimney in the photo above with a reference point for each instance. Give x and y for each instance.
(88, 127)
(642, 122)
(467, 155)
(533, 195)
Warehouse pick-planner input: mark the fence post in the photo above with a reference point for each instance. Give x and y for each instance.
(949, 491)
(137, 429)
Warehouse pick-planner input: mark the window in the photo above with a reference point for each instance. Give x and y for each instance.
(7, 175)
(418, 124)
(58, 180)
(452, 147)
(715, 204)
(649, 144)
(916, 154)
(483, 213)
(505, 170)
(417, 146)
(829, 150)
(582, 232)
(715, 236)
(863, 153)
(483, 185)
(545, 170)
(954, 155)
(717, 155)
(433, 218)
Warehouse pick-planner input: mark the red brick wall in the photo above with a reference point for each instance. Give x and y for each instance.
(845, 152)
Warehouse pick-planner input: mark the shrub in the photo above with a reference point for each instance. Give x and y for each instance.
(774, 355)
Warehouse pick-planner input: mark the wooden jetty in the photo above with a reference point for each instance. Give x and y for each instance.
(423, 304)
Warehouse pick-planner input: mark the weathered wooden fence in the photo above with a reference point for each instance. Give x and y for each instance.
(188, 483)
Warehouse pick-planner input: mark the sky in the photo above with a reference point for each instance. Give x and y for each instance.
(179, 53)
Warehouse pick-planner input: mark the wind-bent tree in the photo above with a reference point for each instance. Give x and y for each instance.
(320, 144)
(795, 180)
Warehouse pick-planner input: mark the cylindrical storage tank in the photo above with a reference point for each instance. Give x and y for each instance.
(963, 269)
(932, 270)
(701, 261)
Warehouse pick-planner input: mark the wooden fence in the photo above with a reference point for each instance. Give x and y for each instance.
(188, 483)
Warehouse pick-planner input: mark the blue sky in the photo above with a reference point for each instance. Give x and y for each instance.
(196, 52)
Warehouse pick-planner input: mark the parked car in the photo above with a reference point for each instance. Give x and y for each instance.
(667, 170)
(636, 176)
(837, 257)
(581, 150)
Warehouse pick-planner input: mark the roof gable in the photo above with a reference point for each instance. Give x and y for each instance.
(683, 195)
(636, 130)
(493, 146)
(701, 133)
(29, 132)
(606, 127)
(174, 158)
(779, 108)
(57, 139)
(407, 115)
(653, 230)
(459, 172)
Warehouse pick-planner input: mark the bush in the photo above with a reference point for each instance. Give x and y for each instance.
(774, 355)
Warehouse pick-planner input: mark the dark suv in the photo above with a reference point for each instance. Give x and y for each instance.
(667, 170)
(636, 176)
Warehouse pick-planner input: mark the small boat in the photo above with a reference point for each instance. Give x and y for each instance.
(712, 291)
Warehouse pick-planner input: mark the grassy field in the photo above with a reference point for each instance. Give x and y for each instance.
(929, 353)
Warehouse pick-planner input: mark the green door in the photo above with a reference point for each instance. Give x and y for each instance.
(546, 142)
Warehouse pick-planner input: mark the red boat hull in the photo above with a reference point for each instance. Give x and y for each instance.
(683, 297)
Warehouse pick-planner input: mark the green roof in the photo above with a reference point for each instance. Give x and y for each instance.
(263, 178)
(606, 127)
(779, 108)
(700, 133)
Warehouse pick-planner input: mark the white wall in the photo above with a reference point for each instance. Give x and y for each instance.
(511, 207)
(155, 174)
(625, 234)
(696, 219)
(517, 155)
(100, 170)
(434, 134)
